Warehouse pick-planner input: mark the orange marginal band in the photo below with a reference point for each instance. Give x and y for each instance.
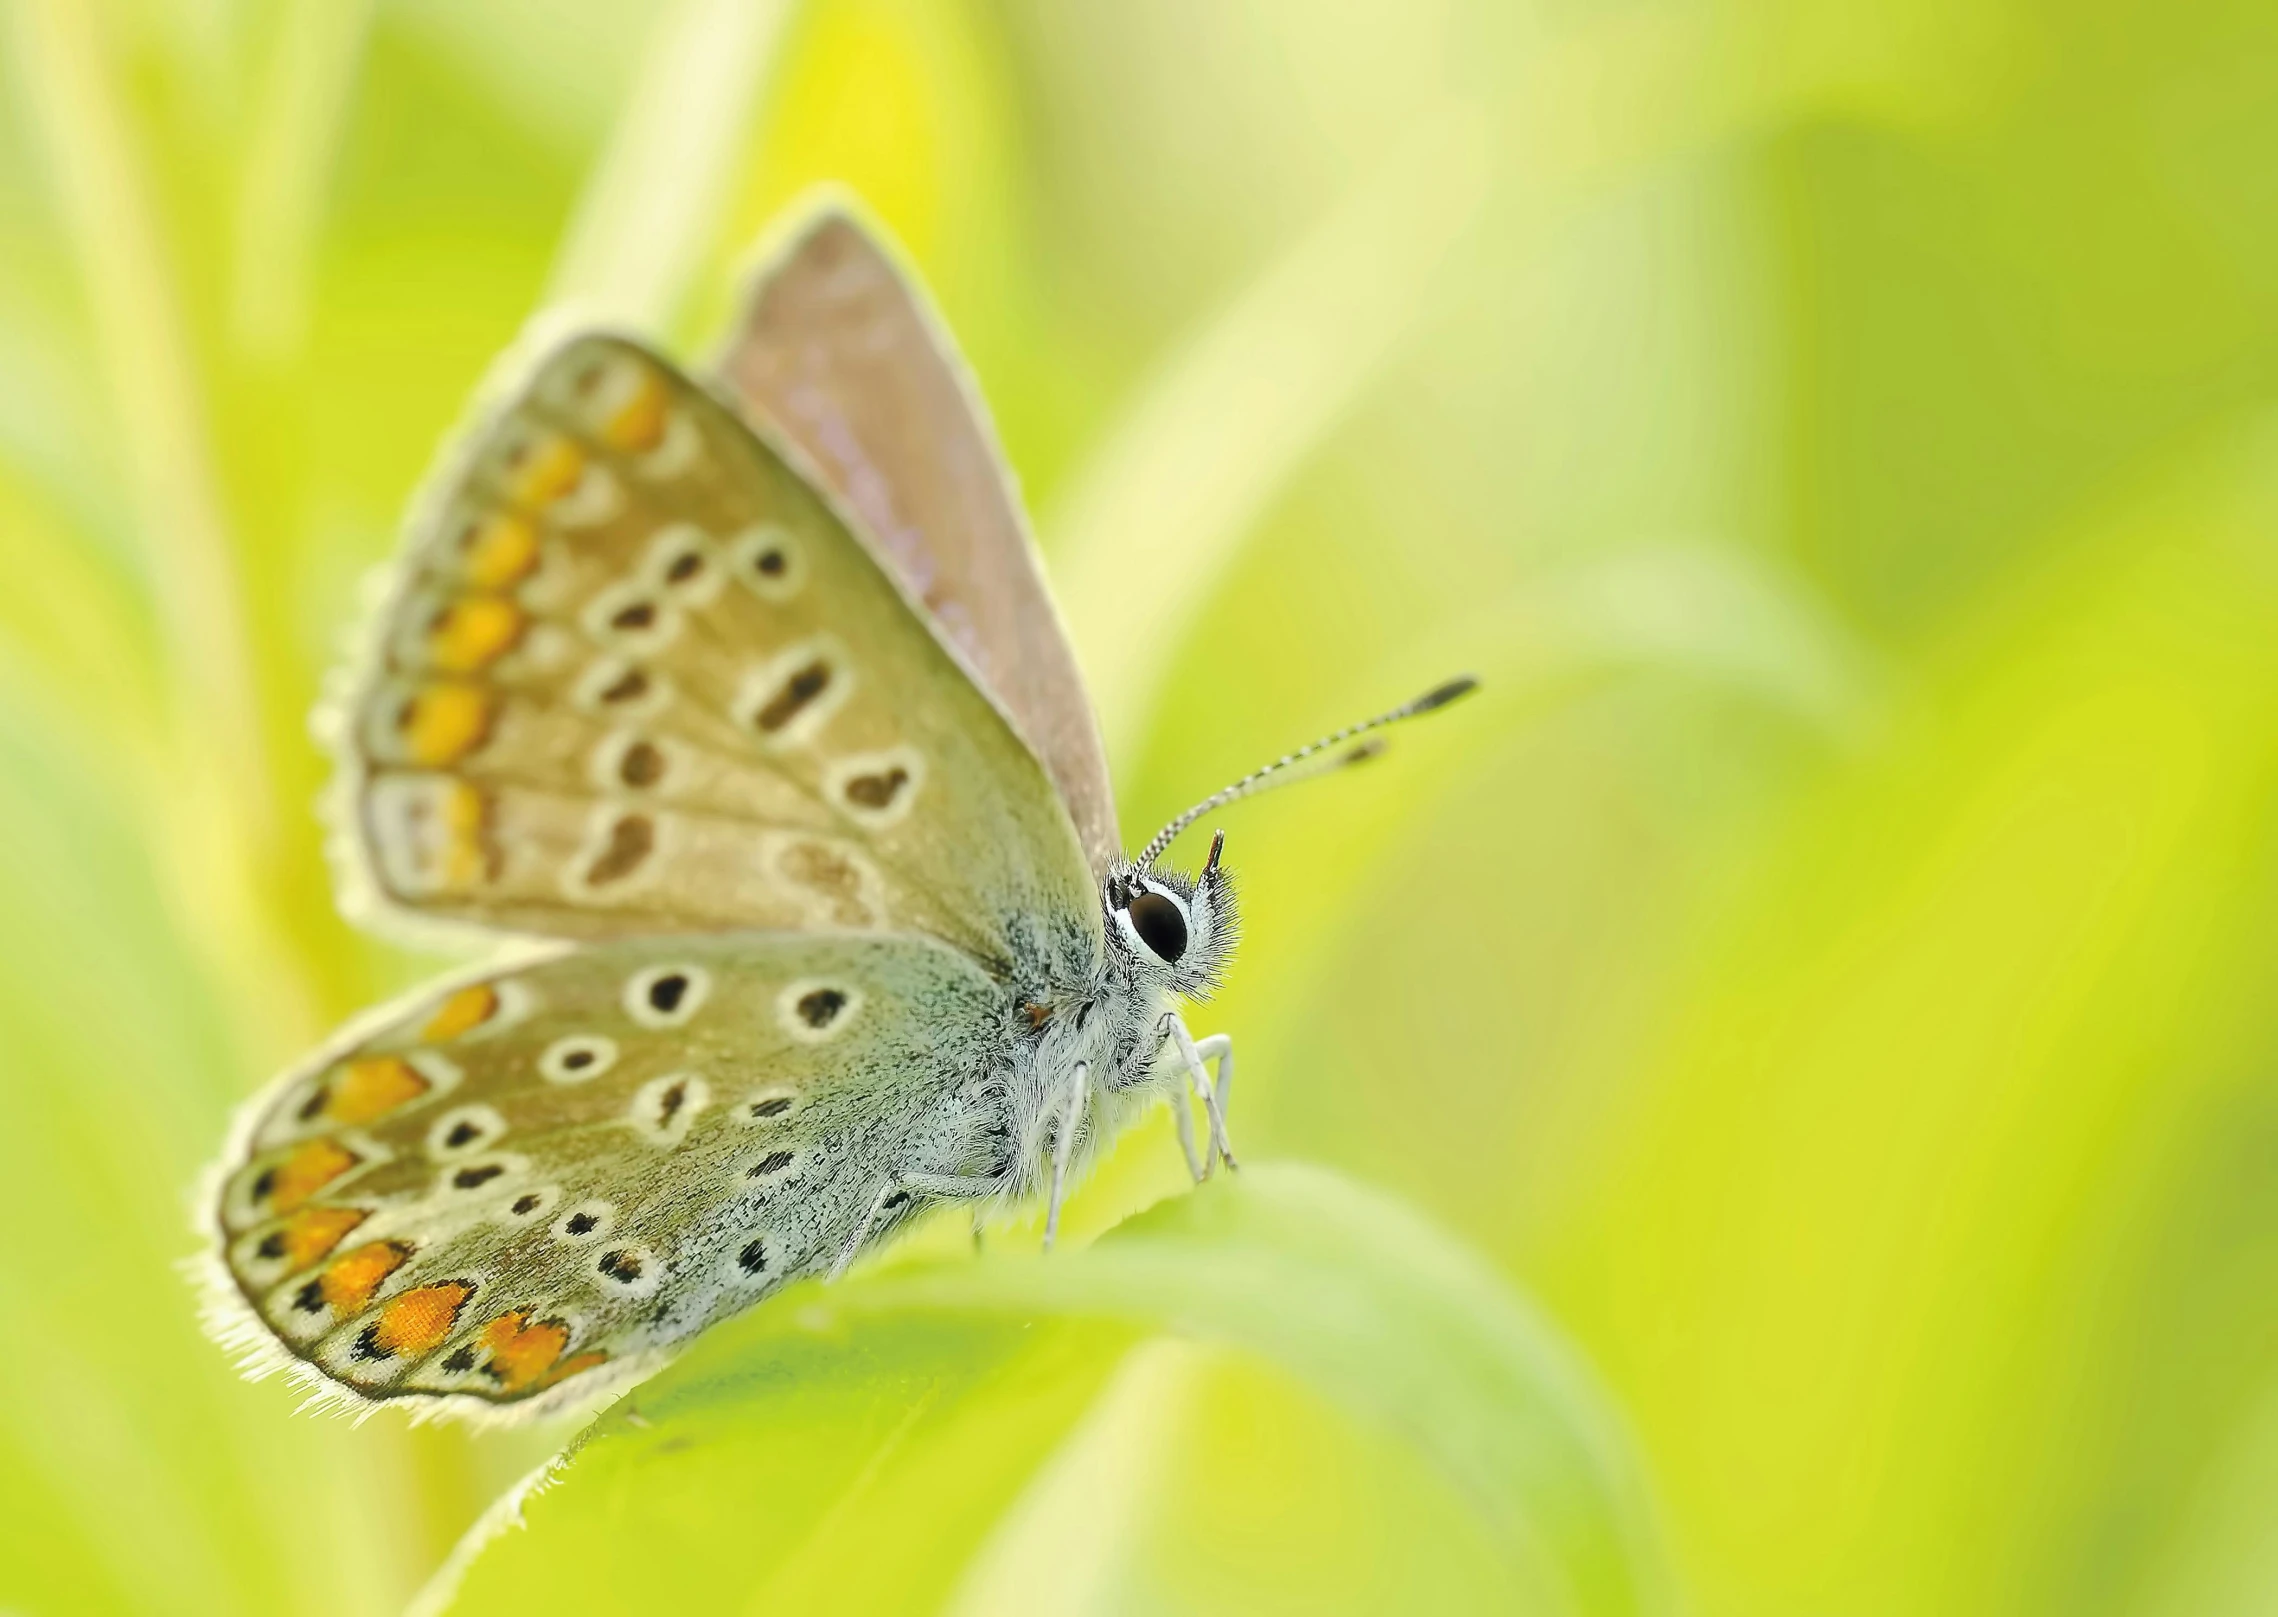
(312, 1233)
(520, 1352)
(419, 1319)
(471, 633)
(547, 470)
(372, 1086)
(466, 855)
(443, 723)
(308, 1170)
(575, 1365)
(498, 550)
(463, 1012)
(639, 422)
(349, 1280)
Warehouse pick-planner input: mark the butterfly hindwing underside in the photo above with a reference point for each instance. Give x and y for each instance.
(554, 1173)
(640, 677)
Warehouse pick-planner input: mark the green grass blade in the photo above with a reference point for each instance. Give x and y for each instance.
(922, 1401)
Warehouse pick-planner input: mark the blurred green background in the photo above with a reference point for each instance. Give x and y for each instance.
(1830, 968)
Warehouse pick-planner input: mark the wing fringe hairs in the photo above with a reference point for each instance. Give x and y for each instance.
(229, 1317)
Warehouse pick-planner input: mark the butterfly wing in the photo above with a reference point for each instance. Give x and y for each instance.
(557, 1173)
(641, 677)
(838, 351)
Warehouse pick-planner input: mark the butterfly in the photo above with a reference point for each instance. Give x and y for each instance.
(747, 710)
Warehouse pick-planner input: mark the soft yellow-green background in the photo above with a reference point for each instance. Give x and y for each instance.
(1833, 968)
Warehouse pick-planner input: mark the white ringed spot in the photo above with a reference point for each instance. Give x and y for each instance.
(631, 618)
(619, 850)
(533, 1204)
(787, 699)
(486, 1177)
(629, 1270)
(580, 1056)
(588, 1221)
(876, 788)
(769, 561)
(814, 1010)
(620, 688)
(683, 564)
(668, 995)
(628, 761)
(664, 1109)
(465, 1130)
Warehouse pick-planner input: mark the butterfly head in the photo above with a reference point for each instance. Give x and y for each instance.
(1178, 931)
(1175, 930)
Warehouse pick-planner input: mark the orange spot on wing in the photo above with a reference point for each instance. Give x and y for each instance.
(473, 632)
(372, 1086)
(466, 852)
(313, 1232)
(638, 423)
(521, 1352)
(349, 1280)
(442, 723)
(463, 1012)
(419, 1319)
(575, 1365)
(498, 549)
(546, 470)
(308, 1170)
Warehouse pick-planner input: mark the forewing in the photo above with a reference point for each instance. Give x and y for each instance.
(641, 677)
(560, 1172)
(838, 350)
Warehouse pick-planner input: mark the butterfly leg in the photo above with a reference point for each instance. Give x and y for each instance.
(862, 1229)
(1063, 1141)
(1218, 1049)
(1182, 1119)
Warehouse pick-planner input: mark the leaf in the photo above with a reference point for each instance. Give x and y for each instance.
(860, 1443)
(1230, 416)
(656, 195)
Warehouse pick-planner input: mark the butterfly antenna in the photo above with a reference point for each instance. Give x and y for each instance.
(1288, 769)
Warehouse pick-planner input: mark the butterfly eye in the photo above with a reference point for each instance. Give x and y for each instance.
(1160, 923)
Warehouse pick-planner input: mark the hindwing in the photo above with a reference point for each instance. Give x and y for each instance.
(559, 1172)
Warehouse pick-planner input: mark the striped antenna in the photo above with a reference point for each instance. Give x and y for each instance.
(1278, 773)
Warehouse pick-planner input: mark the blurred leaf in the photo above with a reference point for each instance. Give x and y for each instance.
(308, 92)
(1214, 435)
(652, 207)
(855, 1444)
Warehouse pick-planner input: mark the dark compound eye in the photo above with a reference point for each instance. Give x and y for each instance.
(1160, 926)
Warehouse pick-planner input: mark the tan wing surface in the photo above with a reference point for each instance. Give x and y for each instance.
(838, 351)
(551, 1175)
(641, 677)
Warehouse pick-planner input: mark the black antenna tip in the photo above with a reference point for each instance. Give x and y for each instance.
(1440, 696)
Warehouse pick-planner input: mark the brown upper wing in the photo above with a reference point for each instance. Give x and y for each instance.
(639, 677)
(839, 353)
